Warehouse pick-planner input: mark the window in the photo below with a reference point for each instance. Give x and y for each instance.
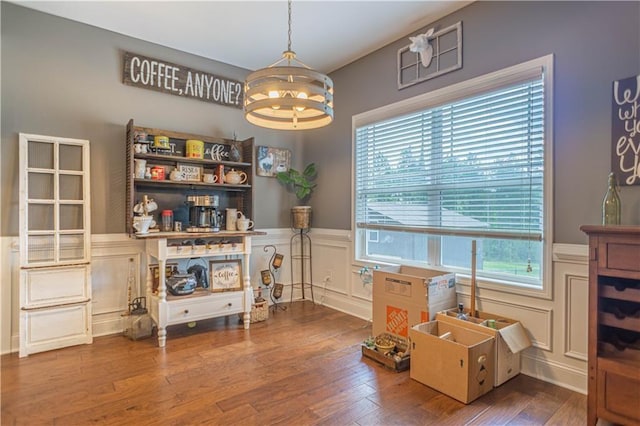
(467, 162)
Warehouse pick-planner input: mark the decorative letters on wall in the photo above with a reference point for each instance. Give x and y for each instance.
(163, 76)
(625, 131)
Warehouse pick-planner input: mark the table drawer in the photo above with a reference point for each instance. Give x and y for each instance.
(210, 306)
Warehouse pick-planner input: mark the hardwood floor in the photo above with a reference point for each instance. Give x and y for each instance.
(302, 366)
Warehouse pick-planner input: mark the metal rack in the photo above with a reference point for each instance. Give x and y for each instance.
(275, 291)
(304, 258)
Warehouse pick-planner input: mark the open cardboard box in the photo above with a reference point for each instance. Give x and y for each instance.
(461, 366)
(397, 360)
(401, 299)
(510, 339)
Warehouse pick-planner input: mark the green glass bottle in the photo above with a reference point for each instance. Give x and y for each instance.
(611, 203)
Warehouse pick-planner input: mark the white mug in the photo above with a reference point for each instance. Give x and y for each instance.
(142, 224)
(140, 167)
(140, 148)
(209, 178)
(244, 224)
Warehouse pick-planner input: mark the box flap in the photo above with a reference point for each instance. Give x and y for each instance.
(440, 284)
(515, 337)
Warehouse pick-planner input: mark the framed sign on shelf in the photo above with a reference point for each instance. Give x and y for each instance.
(226, 275)
(192, 173)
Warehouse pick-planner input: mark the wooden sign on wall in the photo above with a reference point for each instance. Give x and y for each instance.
(625, 131)
(166, 77)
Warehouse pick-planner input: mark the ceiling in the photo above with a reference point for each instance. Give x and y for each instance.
(326, 35)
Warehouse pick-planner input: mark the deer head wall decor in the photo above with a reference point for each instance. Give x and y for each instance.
(420, 44)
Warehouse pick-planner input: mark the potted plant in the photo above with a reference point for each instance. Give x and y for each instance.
(302, 185)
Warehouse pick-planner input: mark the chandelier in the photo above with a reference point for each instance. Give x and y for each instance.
(288, 95)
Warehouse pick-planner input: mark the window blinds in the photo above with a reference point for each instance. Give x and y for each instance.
(473, 167)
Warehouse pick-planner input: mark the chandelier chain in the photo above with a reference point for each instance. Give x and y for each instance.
(289, 43)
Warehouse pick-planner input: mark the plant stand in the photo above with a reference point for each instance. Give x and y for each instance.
(304, 258)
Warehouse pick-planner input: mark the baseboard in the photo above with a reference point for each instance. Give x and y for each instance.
(552, 372)
(342, 303)
(106, 324)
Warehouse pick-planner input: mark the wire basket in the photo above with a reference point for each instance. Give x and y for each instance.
(259, 311)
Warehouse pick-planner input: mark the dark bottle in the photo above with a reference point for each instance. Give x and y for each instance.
(461, 315)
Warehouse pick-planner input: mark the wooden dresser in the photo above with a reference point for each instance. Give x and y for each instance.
(614, 324)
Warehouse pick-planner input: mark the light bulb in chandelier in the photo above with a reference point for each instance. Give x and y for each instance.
(301, 95)
(272, 95)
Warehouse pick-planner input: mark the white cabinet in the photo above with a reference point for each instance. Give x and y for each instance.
(167, 309)
(55, 243)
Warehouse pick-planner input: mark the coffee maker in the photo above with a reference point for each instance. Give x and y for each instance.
(203, 213)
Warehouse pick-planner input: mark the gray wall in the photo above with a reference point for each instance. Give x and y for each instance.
(62, 78)
(594, 43)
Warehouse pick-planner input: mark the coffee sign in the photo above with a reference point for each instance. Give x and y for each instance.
(166, 77)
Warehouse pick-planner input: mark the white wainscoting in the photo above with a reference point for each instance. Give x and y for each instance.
(557, 327)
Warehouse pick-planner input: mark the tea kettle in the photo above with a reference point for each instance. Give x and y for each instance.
(235, 177)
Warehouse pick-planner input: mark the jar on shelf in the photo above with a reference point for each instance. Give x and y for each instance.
(167, 220)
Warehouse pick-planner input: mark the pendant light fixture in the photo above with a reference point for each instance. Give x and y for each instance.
(288, 95)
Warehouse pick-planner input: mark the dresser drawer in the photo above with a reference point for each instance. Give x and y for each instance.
(209, 306)
(620, 255)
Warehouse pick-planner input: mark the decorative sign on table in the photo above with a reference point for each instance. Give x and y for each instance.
(625, 131)
(226, 275)
(166, 77)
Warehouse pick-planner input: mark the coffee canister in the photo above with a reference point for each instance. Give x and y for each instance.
(195, 149)
(157, 173)
(161, 142)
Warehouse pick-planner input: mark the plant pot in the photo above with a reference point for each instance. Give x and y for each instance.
(301, 217)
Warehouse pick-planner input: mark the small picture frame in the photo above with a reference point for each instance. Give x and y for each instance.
(225, 275)
(271, 161)
(191, 172)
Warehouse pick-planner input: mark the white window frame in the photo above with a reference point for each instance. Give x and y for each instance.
(465, 89)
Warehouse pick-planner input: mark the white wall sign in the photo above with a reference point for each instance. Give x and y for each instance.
(166, 77)
(625, 130)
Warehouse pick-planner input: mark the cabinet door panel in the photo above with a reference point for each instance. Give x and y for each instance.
(618, 397)
(53, 328)
(48, 287)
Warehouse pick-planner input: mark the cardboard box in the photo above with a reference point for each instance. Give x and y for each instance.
(461, 366)
(510, 339)
(397, 359)
(401, 300)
